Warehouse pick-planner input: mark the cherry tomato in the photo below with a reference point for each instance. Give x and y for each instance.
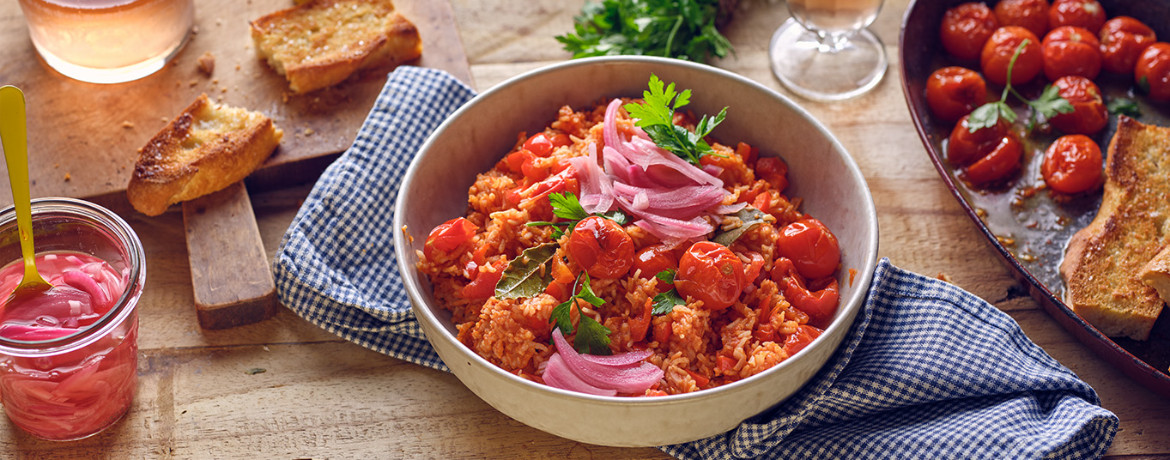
(1081, 13)
(652, 260)
(1152, 71)
(448, 237)
(998, 52)
(1070, 50)
(710, 272)
(1072, 164)
(965, 28)
(601, 247)
(818, 302)
(953, 92)
(1089, 115)
(534, 198)
(812, 248)
(484, 283)
(1122, 40)
(803, 336)
(543, 144)
(1029, 14)
(773, 170)
(640, 324)
(987, 155)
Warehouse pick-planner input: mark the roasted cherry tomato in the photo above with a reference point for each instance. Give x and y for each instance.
(1029, 14)
(1070, 50)
(1081, 13)
(812, 248)
(449, 236)
(803, 336)
(818, 301)
(1072, 164)
(534, 198)
(652, 260)
(953, 92)
(543, 144)
(1152, 71)
(710, 272)
(1122, 40)
(484, 283)
(601, 247)
(1088, 115)
(986, 155)
(998, 51)
(965, 28)
(773, 170)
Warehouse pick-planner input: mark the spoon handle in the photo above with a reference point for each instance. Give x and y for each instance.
(14, 135)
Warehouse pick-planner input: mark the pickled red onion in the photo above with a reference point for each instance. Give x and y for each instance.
(633, 377)
(557, 374)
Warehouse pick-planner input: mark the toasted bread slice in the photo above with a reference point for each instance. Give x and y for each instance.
(206, 148)
(1156, 273)
(1102, 266)
(322, 42)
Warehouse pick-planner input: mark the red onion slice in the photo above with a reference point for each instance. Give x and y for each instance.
(626, 379)
(557, 374)
(628, 358)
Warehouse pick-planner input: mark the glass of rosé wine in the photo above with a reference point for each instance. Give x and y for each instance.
(108, 41)
(824, 51)
(69, 355)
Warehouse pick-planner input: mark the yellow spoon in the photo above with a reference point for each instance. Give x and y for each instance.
(14, 135)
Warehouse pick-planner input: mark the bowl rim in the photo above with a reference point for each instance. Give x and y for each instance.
(848, 311)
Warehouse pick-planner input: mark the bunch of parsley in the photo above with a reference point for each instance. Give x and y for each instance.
(683, 29)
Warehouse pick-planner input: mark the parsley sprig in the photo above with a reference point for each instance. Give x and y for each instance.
(683, 29)
(656, 116)
(1049, 104)
(664, 302)
(592, 337)
(567, 207)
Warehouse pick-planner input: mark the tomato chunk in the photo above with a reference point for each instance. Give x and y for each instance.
(711, 273)
(449, 236)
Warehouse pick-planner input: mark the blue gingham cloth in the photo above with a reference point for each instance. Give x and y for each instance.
(927, 371)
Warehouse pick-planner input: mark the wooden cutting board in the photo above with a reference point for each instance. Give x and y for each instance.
(83, 138)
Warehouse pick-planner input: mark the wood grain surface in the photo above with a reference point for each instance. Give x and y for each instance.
(320, 397)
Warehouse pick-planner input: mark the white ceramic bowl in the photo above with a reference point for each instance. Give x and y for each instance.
(475, 137)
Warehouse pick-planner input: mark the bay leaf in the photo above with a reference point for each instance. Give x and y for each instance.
(749, 217)
(524, 276)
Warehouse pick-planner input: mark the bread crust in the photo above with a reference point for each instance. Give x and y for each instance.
(321, 43)
(1156, 273)
(206, 148)
(1102, 265)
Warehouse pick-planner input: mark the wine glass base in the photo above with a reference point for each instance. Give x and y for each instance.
(818, 71)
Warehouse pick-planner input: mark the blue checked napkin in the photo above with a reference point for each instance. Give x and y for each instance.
(928, 370)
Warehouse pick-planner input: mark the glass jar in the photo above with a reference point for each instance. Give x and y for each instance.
(68, 373)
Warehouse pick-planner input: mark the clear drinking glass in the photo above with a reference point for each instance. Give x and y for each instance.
(824, 51)
(108, 41)
(69, 370)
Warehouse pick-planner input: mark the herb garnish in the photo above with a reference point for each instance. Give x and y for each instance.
(664, 302)
(566, 206)
(592, 337)
(683, 29)
(656, 116)
(749, 217)
(1124, 106)
(1049, 104)
(525, 275)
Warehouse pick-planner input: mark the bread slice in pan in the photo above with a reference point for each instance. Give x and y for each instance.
(206, 148)
(1156, 272)
(322, 42)
(1103, 264)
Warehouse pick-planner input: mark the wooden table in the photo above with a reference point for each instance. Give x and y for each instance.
(321, 397)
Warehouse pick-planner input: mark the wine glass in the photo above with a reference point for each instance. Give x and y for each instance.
(824, 51)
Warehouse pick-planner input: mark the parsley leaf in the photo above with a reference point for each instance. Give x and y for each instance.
(1049, 104)
(655, 115)
(566, 206)
(684, 29)
(1124, 106)
(664, 302)
(592, 337)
